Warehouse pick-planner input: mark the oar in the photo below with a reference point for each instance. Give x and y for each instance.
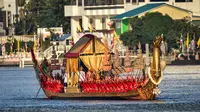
(37, 93)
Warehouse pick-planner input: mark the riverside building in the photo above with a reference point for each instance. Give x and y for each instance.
(9, 9)
(100, 13)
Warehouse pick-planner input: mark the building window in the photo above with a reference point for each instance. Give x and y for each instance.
(102, 2)
(135, 1)
(73, 2)
(90, 2)
(67, 42)
(128, 1)
(91, 21)
(79, 2)
(120, 1)
(9, 18)
(103, 21)
(159, 0)
(183, 0)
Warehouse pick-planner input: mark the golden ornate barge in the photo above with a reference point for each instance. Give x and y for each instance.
(105, 77)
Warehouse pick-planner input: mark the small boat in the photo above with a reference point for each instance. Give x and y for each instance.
(105, 76)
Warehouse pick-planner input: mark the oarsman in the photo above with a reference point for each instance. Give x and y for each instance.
(81, 75)
(81, 78)
(65, 82)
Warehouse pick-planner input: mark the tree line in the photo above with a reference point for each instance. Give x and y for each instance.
(41, 13)
(146, 28)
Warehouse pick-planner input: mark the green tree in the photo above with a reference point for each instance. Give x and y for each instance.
(19, 27)
(7, 47)
(30, 45)
(44, 13)
(46, 44)
(133, 37)
(155, 24)
(146, 28)
(14, 47)
(22, 44)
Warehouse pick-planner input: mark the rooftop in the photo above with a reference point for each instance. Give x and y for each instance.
(142, 9)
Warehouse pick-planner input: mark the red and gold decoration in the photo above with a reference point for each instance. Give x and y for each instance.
(127, 63)
(51, 84)
(155, 71)
(105, 77)
(106, 61)
(117, 69)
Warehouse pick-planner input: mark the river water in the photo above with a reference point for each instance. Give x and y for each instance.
(180, 91)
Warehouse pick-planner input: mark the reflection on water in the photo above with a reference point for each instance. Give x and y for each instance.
(18, 89)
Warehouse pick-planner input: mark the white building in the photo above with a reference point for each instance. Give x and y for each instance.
(9, 10)
(98, 12)
(45, 32)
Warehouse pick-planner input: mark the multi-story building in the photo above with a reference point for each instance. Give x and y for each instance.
(9, 11)
(98, 13)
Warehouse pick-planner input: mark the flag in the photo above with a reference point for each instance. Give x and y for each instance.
(193, 43)
(83, 30)
(115, 39)
(105, 41)
(79, 28)
(104, 37)
(26, 46)
(113, 42)
(110, 23)
(187, 42)
(34, 45)
(18, 45)
(12, 46)
(94, 29)
(72, 41)
(90, 28)
(181, 41)
(198, 43)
